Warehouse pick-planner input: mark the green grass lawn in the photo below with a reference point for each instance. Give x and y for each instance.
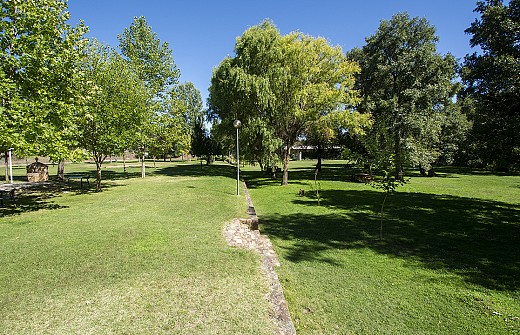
(141, 257)
(449, 262)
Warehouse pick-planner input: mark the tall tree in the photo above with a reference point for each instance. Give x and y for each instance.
(406, 86)
(492, 79)
(288, 81)
(153, 62)
(187, 102)
(170, 132)
(204, 144)
(115, 105)
(38, 76)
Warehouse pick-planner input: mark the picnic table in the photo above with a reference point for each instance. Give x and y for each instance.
(69, 178)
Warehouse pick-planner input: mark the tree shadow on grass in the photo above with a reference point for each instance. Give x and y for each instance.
(476, 239)
(297, 176)
(194, 169)
(32, 197)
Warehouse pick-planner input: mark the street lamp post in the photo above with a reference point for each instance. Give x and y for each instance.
(10, 162)
(237, 125)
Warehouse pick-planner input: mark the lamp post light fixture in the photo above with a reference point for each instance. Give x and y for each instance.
(237, 125)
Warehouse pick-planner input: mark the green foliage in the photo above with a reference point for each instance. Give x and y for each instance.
(259, 143)
(204, 143)
(39, 77)
(407, 87)
(331, 129)
(279, 85)
(166, 130)
(116, 104)
(388, 183)
(455, 130)
(188, 102)
(169, 135)
(152, 59)
(492, 79)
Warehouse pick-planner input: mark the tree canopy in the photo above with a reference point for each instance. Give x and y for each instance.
(396, 100)
(151, 58)
(116, 102)
(407, 86)
(153, 63)
(492, 79)
(281, 84)
(39, 77)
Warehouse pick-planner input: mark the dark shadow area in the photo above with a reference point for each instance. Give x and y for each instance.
(303, 175)
(297, 176)
(477, 239)
(197, 170)
(33, 197)
(106, 174)
(472, 171)
(332, 171)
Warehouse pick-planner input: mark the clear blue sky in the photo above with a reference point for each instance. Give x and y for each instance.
(202, 33)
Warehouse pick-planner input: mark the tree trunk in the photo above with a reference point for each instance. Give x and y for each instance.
(422, 171)
(98, 176)
(143, 167)
(61, 169)
(399, 173)
(272, 172)
(285, 176)
(398, 163)
(320, 154)
(369, 170)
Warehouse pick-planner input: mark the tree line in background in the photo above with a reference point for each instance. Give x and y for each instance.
(392, 104)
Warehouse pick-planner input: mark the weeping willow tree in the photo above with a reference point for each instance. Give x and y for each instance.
(279, 85)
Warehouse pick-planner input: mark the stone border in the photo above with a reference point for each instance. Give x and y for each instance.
(244, 233)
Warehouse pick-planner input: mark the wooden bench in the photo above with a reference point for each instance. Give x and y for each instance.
(69, 178)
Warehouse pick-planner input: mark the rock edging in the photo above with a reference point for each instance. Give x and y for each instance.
(244, 233)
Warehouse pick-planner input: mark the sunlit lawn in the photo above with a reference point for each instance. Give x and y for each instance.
(449, 261)
(141, 257)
